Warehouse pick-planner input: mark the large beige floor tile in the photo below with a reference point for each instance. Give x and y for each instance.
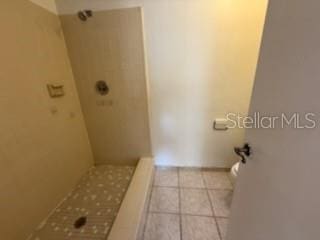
(199, 228)
(164, 199)
(195, 202)
(162, 227)
(166, 177)
(223, 227)
(221, 202)
(217, 180)
(190, 178)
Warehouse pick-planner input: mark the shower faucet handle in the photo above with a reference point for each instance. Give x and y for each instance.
(243, 152)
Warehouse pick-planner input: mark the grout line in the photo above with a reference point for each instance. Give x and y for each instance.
(220, 189)
(180, 216)
(202, 177)
(151, 196)
(165, 187)
(168, 168)
(216, 169)
(222, 217)
(216, 189)
(147, 209)
(219, 230)
(213, 169)
(145, 227)
(184, 214)
(213, 212)
(164, 212)
(195, 188)
(229, 180)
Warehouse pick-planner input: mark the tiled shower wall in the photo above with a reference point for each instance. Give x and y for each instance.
(44, 147)
(109, 47)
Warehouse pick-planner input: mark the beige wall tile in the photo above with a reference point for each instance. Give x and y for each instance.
(44, 147)
(109, 46)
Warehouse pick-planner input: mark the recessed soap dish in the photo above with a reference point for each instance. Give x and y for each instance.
(55, 90)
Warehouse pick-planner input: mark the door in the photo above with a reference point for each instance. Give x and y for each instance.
(277, 195)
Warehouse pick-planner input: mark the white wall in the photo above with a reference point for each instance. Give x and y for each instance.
(50, 5)
(202, 56)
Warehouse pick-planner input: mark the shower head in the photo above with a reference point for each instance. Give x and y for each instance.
(88, 13)
(84, 15)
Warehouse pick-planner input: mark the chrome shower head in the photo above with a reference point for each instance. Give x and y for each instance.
(84, 15)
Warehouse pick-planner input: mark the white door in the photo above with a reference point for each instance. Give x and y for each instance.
(277, 196)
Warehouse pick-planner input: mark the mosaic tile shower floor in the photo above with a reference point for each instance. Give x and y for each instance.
(97, 197)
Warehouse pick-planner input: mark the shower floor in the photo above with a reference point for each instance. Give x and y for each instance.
(97, 198)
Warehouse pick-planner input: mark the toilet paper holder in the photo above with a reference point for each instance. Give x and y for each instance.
(220, 124)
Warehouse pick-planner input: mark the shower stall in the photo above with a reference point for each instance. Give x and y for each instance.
(108, 61)
(107, 58)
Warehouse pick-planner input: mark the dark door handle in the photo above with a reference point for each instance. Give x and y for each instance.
(243, 152)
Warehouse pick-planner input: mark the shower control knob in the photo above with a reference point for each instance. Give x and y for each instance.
(243, 152)
(102, 88)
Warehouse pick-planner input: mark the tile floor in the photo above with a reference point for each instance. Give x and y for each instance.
(97, 197)
(189, 204)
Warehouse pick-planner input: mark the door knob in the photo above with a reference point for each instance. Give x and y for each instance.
(243, 152)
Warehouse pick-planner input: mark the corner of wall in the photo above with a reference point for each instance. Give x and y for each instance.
(50, 5)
